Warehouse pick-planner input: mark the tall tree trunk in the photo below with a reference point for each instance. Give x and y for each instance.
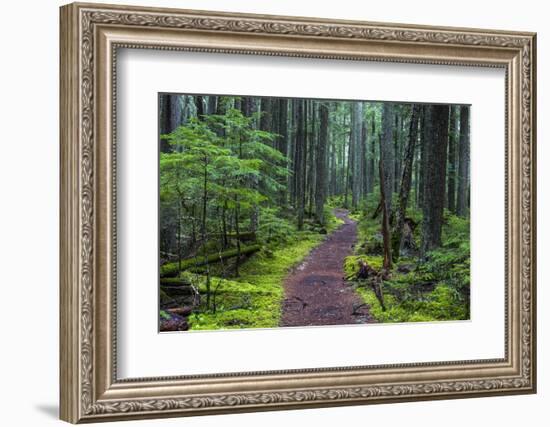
(245, 106)
(405, 183)
(331, 157)
(164, 120)
(237, 103)
(423, 156)
(292, 152)
(341, 169)
(176, 113)
(463, 197)
(303, 167)
(237, 216)
(188, 109)
(416, 164)
(386, 233)
(397, 148)
(275, 121)
(266, 109)
(203, 229)
(371, 139)
(199, 103)
(312, 139)
(452, 169)
(437, 121)
(221, 109)
(283, 143)
(211, 104)
(249, 108)
(321, 166)
(355, 142)
(345, 155)
(171, 116)
(364, 148)
(349, 171)
(299, 162)
(386, 153)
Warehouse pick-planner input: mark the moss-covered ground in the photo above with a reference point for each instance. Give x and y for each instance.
(433, 288)
(254, 298)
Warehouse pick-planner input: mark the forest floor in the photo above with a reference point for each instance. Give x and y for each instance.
(316, 293)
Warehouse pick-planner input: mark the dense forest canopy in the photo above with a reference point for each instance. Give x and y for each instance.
(242, 177)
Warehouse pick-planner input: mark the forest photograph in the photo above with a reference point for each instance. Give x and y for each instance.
(279, 212)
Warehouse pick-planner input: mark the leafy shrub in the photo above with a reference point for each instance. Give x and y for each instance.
(418, 290)
(274, 228)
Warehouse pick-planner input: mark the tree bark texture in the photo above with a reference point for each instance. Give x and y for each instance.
(355, 153)
(463, 193)
(452, 159)
(321, 181)
(386, 153)
(437, 122)
(406, 178)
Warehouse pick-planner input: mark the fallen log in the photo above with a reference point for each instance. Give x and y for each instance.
(173, 268)
(177, 289)
(174, 282)
(174, 286)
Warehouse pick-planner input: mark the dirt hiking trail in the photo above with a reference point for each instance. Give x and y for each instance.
(315, 292)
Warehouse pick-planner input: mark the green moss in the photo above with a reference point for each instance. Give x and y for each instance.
(332, 222)
(369, 235)
(440, 304)
(253, 300)
(418, 290)
(421, 294)
(356, 216)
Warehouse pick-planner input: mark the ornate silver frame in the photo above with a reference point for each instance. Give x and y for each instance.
(90, 36)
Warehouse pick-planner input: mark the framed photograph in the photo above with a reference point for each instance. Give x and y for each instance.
(267, 212)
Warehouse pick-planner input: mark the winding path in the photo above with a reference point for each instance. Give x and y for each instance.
(315, 291)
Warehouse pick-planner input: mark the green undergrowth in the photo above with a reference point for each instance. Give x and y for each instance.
(332, 222)
(438, 305)
(434, 288)
(253, 300)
